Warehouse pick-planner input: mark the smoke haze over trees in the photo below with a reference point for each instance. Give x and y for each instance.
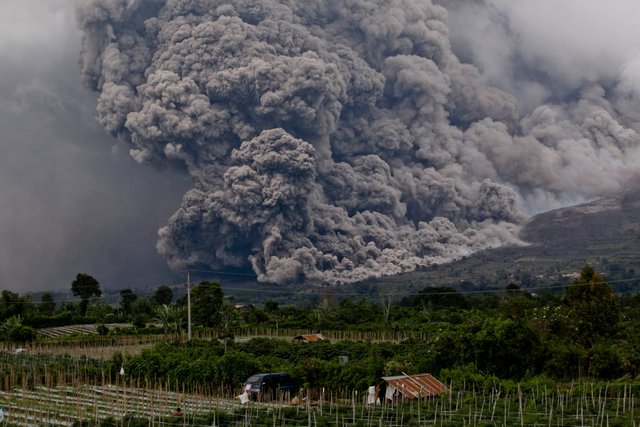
(333, 141)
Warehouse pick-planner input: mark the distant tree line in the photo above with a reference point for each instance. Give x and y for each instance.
(582, 330)
(159, 313)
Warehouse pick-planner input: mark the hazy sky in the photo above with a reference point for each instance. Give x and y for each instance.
(535, 48)
(71, 201)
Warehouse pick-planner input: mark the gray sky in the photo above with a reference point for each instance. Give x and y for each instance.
(69, 201)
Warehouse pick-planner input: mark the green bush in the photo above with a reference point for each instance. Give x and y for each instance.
(22, 334)
(605, 361)
(102, 329)
(235, 367)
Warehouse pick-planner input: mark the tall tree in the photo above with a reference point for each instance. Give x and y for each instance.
(47, 305)
(142, 311)
(127, 298)
(206, 301)
(323, 312)
(12, 304)
(387, 295)
(163, 295)
(178, 321)
(271, 306)
(85, 286)
(164, 314)
(593, 306)
(229, 319)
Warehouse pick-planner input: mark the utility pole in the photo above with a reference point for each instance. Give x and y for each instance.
(188, 306)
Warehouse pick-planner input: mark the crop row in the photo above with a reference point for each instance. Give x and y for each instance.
(59, 331)
(64, 406)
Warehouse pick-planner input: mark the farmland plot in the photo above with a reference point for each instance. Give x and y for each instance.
(44, 389)
(64, 405)
(587, 405)
(94, 346)
(89, 329)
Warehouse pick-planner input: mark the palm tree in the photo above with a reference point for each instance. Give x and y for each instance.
(177, 321)
(164, 314)
(323, 312)
(10, 323)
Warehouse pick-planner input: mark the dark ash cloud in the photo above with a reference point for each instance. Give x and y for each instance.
(331, 141)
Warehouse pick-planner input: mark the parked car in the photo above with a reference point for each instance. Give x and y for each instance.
(270, 386)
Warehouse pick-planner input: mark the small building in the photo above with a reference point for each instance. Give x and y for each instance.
(411, 387)
(309, 338)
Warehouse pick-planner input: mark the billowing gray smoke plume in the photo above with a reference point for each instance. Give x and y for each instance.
(334, 140)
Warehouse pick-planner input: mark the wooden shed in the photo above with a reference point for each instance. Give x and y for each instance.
(417, 386)
(309, 338)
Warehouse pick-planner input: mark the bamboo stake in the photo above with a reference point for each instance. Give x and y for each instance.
(520, 408)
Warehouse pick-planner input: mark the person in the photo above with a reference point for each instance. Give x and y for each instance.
(178, 412)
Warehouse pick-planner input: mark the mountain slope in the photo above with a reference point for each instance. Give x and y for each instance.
(605, 228)
(602, 233)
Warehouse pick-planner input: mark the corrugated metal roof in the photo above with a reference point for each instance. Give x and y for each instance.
(418, 385)
(310, 337)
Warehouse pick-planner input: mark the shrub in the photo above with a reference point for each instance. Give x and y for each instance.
(22, 334)
(102, 329)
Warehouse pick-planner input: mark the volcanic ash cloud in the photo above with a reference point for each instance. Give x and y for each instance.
(332, 141)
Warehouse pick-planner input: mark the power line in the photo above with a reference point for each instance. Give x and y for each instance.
(399, 292)
(220, 272)
(401, 288)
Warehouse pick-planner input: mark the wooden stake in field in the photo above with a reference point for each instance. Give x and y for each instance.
(124, 392)
(495, 403)
(520, 406)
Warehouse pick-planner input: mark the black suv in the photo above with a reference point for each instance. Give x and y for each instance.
(270, 386)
